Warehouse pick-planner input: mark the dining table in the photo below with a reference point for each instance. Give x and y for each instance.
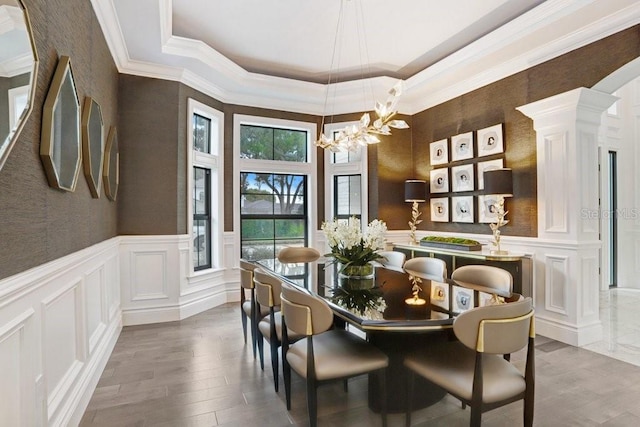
(392, 311)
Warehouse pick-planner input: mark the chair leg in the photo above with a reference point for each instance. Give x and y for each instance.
(286, 373)
(528, 406)
(476, 416)
(243, 317)
(274, 363)
(410, 386)
(254, 328)
(345, 385)
(260, 340)
(312, 402)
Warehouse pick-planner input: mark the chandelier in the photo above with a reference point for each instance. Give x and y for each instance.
(365, 132)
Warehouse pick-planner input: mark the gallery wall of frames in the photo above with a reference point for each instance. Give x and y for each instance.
(456, 178)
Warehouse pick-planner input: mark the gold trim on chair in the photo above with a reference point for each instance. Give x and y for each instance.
(480, 344)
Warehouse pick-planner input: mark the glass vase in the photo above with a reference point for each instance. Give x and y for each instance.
(356, 276)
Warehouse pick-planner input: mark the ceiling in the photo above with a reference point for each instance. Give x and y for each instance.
(281, 53)
(296, 39)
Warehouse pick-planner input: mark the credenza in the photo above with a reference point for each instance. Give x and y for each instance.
(520, 265)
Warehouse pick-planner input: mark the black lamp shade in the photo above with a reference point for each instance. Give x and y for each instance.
(415, 190)
(498, 182)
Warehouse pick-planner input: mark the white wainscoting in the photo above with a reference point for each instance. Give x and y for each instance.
(58, 325)
(158, 285)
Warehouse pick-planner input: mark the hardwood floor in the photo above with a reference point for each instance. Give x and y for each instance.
(198, 372)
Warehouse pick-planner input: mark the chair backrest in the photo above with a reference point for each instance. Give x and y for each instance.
(292, 254)
(392, 258)
(496, 280)
(305, 313)
(496, 329)
(427, 268)
(268, 288)
(246, 274)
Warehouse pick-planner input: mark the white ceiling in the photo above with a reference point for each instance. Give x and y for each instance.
(278, 53)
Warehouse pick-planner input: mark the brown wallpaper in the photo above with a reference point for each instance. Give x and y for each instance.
(496, 103)
(38, 223)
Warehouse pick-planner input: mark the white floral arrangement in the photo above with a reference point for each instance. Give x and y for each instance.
(350, 245)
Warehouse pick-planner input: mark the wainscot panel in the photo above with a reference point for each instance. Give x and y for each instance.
(58, 325)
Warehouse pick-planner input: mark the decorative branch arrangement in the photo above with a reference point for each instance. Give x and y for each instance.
(413, 224)
(495, 227)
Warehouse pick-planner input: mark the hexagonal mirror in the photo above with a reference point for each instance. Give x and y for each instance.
(92, 145)
(60, 148)
(18, 67)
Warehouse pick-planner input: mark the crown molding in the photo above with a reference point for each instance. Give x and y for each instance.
(522, 43)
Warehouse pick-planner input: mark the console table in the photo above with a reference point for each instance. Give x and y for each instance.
(519, 265)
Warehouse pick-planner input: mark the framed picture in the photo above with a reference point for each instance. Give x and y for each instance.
(462, 209)
(487, 166)
(439, 180)
(486, 209)
(462, 146)
(490, 141)
(462, 299)
(440, 294)
(440, 209)
(439, 152)
(462, 178)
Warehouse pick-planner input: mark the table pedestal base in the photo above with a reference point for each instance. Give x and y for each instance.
(397, 346)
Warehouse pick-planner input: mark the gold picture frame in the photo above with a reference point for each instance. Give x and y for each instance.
(60, 148)
(111, 167)
(92, 145)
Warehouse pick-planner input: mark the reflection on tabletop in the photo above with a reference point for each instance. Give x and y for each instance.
(384, 298)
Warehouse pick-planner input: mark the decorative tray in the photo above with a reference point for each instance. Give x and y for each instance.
(460, 246)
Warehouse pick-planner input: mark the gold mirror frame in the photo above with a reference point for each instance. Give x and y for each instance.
(60, 148)
(111, 168)
(20, 64)
(92, 145)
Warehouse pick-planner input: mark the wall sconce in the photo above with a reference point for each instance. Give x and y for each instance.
(415, 190)
(498, 182)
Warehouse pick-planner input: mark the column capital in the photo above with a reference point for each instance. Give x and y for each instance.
(581, 104)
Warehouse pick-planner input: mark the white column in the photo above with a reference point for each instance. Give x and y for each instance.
(567, 264)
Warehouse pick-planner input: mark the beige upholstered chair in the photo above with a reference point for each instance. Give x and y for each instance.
(472, 369)
(427, 268)
(248, 305)
(485, 278)
(392, 259)
(325, 354)
(268, 289)
(293, 254)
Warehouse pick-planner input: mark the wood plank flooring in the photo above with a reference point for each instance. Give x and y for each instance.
(199, 372)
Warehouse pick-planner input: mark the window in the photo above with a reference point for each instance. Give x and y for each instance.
(347, 200)
(201, 218)
(345, 182)
(273, 213)
(205, 134)
(274, 184)
(267, 143)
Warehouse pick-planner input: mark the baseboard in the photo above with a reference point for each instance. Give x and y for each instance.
(568, 334)
(204, 303)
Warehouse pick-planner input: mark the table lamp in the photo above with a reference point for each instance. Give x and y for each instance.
(499, 183)
(415, 190)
